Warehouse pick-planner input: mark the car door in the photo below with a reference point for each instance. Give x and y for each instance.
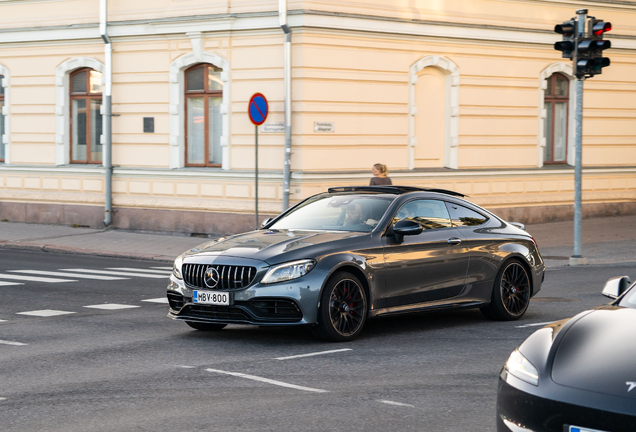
(428, 266)
(482, 245)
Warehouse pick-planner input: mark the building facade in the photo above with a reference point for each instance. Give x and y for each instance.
(462, 95)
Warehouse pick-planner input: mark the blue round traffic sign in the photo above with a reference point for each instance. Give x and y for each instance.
(258, 109)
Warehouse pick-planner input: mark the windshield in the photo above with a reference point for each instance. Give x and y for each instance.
(629, 300)
(337, 213)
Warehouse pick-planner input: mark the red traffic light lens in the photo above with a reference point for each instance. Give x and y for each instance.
(601, 27)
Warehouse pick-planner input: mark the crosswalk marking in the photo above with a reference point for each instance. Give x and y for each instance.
(45, 313)
(4, 283)
(111, 306)
(33, 278)
(117, 273)
(151, 271)
(12, 343)
(64, 274)
(157, 300)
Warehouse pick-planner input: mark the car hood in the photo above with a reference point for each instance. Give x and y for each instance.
(597, 353)
(274, 246)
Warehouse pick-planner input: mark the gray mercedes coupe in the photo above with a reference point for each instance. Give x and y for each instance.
(338, 258)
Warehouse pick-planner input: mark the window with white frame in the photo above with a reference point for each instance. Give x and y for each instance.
(1, 120)
(86, 118)
(203, 121)
(556, 101)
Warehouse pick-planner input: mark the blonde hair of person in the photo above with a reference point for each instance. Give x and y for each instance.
(384, 171)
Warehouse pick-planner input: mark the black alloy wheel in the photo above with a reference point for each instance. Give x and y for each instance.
(511, 293)
(343, 309)
(205, 326)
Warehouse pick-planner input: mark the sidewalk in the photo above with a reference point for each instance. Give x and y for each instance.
(606, 240)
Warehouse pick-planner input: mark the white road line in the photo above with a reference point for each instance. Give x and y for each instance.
(535, 324)
(118, 273)
(395, 403)
(111, 306)
(3, 283)
(185, 367)
(3, 399)
(268, 381)
(161, 272)
(313, 354)
(12, 343)
(162, 268)
(3, 320)
(45, 313)
(63, 274)
(157, 300)
(33, 278)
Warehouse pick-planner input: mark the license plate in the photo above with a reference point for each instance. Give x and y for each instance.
(212, 298)
(582, 429)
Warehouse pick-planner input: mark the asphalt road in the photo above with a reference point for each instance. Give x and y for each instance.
(133, 369)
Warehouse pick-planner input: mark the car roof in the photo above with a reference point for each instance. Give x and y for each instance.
(394, 190)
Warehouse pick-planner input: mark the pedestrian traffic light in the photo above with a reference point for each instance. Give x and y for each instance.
(566, 46)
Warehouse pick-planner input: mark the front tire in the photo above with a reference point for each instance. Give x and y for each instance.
(343, 309)
(206, 326)
(511, 293)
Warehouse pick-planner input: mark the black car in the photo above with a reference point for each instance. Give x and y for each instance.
(338, 258)
(575, 375)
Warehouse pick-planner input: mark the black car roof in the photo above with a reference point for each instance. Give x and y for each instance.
(396, 190)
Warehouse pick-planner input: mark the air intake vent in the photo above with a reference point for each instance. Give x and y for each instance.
(227, 277)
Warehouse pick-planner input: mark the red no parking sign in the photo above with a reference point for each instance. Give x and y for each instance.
(257, 109)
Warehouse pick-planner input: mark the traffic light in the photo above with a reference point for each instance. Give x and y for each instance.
(584, 47)
(597, 28)
(567, 29)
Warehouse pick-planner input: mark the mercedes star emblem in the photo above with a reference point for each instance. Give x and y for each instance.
(211, 277)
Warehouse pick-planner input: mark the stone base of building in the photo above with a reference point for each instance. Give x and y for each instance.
(202, 223)
(191, 222)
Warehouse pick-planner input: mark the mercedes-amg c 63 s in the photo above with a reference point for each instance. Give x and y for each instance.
(575, 375)
(338, 258)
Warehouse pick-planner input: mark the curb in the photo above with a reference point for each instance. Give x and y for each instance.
(79, 251)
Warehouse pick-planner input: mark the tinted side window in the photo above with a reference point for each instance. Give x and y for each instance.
(462, 216)
(430, 214)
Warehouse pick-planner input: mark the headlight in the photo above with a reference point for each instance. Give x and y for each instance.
(176, 268)
(288, 271)
(520, 367)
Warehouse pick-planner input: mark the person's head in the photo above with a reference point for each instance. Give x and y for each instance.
(354, 214)
(380, 170)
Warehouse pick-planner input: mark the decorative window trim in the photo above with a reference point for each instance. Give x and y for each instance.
(177, 103)
(6, 112)
(451, 111)
(566, 70)
(62, 104)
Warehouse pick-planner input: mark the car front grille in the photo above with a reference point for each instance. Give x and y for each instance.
(217, 312)
(285, 309)
(230, 277)
(176, 301)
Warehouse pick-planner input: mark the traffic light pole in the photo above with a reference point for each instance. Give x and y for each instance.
(577, 258)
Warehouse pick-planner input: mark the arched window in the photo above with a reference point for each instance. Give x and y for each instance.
(557, 95)
(86, 118)
(1, 120)
(203, 128)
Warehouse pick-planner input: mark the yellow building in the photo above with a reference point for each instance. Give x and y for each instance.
(467, 95)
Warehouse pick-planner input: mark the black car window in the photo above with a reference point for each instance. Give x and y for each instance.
(430, 214)
(629, 300)
(462, 216)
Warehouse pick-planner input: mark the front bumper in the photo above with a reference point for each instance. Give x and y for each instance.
(290, 303)
(521, 411)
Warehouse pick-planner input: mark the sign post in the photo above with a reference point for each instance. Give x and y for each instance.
(257, 110)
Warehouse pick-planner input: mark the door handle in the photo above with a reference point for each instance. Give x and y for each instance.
(454, 241)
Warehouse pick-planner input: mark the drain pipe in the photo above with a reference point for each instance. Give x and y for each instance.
(107, 113)
(282, 15)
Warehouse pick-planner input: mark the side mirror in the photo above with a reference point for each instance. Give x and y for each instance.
(266, 222)
(615, 287)
(407, 227)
